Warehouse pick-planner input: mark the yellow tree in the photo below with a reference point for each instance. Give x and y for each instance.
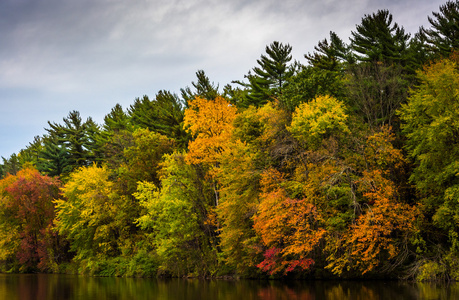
(92, 215)
(322, 117)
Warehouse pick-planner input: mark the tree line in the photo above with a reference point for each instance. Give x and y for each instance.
(345, 166)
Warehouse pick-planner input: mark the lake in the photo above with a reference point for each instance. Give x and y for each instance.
(44, 287)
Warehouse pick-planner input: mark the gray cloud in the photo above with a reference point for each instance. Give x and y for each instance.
(88, 55)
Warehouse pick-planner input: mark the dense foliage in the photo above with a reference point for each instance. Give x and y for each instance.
(346, 166)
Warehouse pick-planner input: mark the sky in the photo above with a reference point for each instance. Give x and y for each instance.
(57, 56)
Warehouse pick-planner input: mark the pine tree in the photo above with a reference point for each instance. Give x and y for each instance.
(270, 77)
(116, 120)
(77, 137)
(53, 157)
(329, 55)
(163, 115)
(202, 88)
(443, 36)
(377, 39)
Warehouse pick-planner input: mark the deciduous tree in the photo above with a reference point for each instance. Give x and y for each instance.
(180, 218)
(26, 216)
(92, 216)
(430, 124)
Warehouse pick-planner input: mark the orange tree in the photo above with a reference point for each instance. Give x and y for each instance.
(211, 123)
(377, 237)
(338, 204)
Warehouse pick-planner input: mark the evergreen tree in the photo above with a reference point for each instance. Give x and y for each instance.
(163, 115)
(322, 76)
(202, 88)
(77, 137)
(270, 77)
(330, 55)
(116, 120)
(10, 165)
(418, 53)
(443, 36)
(54, 157)
(377, 39)
(31, 153)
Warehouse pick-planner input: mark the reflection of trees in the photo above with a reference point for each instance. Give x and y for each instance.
(42, 286)
(284, 292)
(436, 291)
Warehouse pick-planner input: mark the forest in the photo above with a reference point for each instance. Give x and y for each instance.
(343, 166)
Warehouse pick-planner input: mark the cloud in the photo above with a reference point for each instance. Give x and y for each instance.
(88, 55)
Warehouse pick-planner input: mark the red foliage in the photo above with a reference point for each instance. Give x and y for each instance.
(30, 204)
(273, 262)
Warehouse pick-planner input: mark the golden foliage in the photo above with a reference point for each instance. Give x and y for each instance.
(315, 120)
(211, 124)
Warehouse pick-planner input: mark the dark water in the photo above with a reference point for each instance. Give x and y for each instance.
(44, 287)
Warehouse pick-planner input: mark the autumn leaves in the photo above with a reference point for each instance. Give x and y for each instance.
(256, 191)
(288, 194)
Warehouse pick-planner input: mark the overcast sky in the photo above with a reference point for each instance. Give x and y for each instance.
(88, 55)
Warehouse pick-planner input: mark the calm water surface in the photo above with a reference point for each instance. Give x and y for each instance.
(44, 287)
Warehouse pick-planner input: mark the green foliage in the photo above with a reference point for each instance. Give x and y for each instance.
(443, 36)
(330, 55)
(310, 82)
(275, 66)
(270, 77)
(239, 180)
(10, 165)
(431, 126)
(54, 157)
(91, 215)
(78, 138)
(377, 39)
(163, 115)
(202, 88)
(116, 120)
(143, 157)
(179, 217)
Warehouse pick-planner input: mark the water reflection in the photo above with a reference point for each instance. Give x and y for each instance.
(44, 287)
